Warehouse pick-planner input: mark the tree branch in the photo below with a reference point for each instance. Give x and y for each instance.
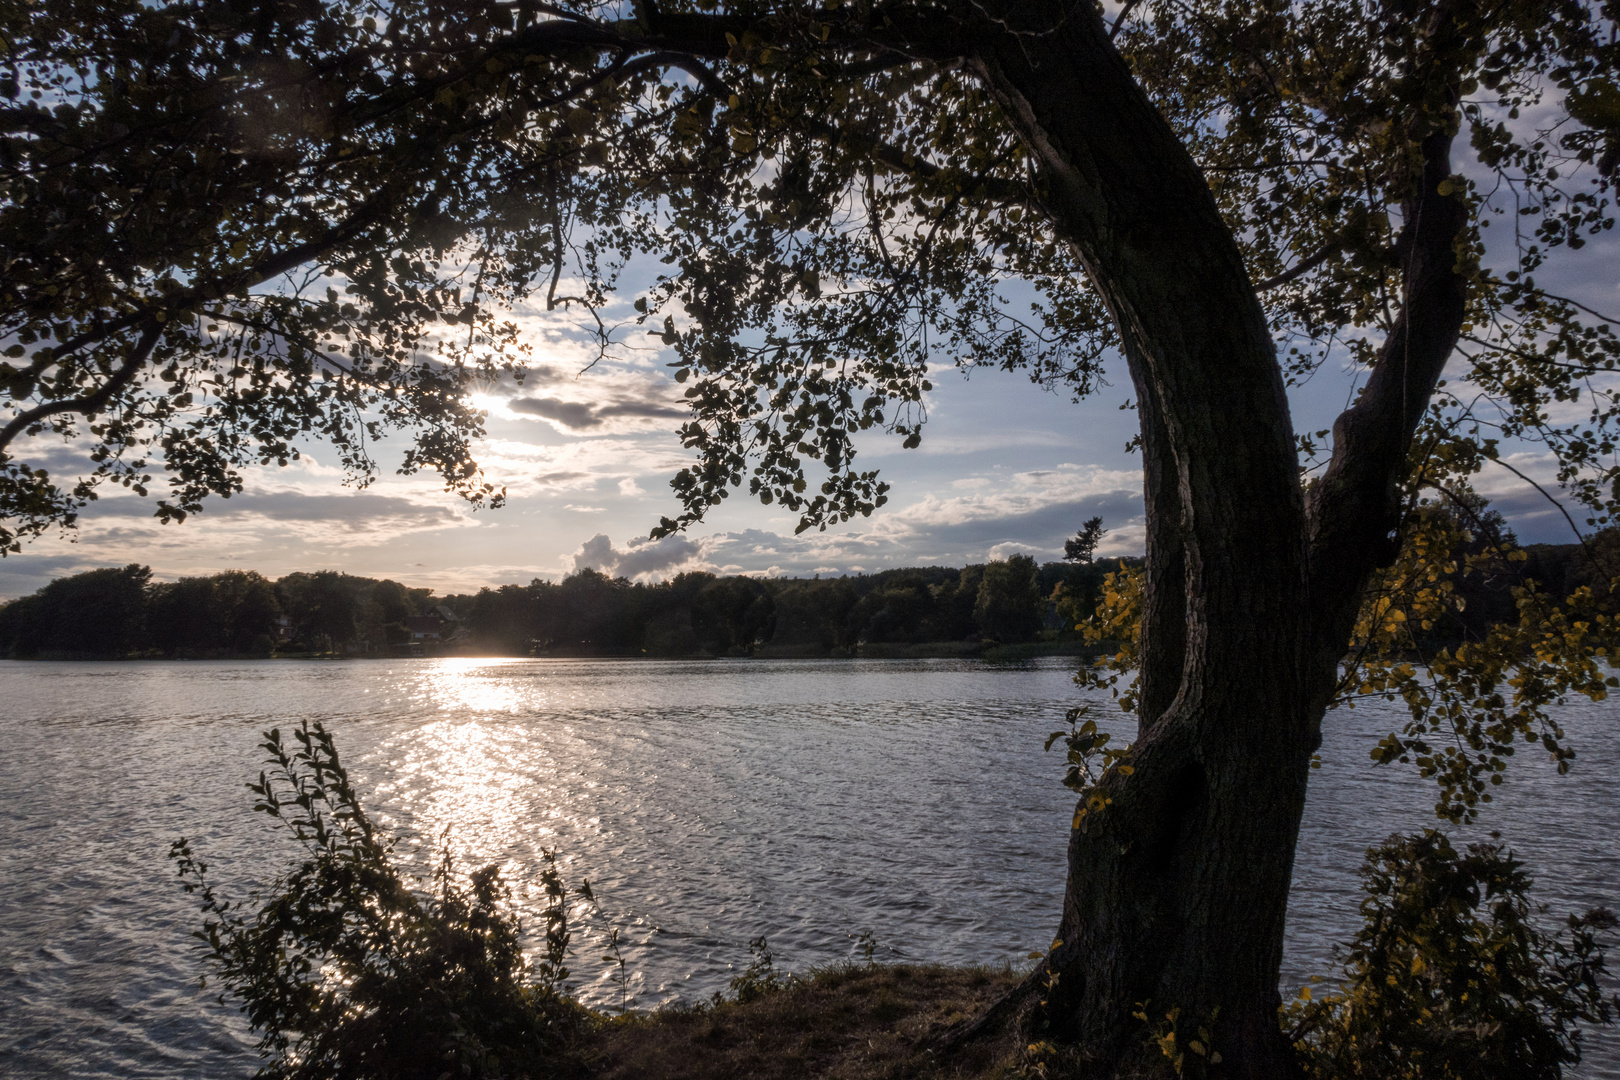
(91, 403)
(1119, 20)
(1354, 510)
(1300, 269)
(1548, 496)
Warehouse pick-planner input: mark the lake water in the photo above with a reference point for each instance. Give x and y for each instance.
(706, 802)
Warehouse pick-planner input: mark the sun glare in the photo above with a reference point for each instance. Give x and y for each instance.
(476, 685)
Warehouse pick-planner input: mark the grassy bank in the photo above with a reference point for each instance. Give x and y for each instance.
(847, 1022)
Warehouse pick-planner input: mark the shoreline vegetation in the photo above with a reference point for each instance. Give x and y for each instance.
(1009, 609)
(1003, 610)
(348, 966)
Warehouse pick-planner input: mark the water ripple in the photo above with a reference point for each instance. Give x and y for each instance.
(706, 802)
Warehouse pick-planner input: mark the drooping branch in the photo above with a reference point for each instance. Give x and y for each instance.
(91, 403)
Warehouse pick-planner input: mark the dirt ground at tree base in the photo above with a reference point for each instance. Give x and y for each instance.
(849, 1022)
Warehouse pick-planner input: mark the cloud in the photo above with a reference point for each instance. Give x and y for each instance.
(612, 399)
(543, 375)
(357, 511)
(583, 416)
(570, 414)
(25, 575)
(659, 556)
(1534, 518)
(1031, 511)
(1002, 552)
(953, 444)
(562, 478)
(579, 509)
(643, 559)
(525, 468)
(643, 408)
(270, 531)
(597, 553)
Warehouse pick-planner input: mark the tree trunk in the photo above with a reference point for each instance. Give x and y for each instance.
(1178, 881)
(1178, 886)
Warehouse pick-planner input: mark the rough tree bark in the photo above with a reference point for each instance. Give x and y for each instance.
(1178, 886)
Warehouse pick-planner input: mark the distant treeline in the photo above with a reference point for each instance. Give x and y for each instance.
(120, 612)
(926, 610)
(588, 613)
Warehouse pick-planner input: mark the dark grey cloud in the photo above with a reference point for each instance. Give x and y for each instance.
(570, 414)
(59, 459)
(1044, 528)
(359, 508)
(912, 542)
(579, 416)
(560, 477)
(658, 555)
(638, 398)
(23, 574)
(642, 408)
(1535, 520)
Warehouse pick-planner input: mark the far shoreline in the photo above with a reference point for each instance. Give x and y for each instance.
(947, 650)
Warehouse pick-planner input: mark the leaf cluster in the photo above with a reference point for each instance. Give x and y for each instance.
(1187, 1048)
(235, 225)
(1473, 703)
(1451, 976)
(1116, 623)
(231, 227)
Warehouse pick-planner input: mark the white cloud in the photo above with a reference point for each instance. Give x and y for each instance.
(644, 558)
(1002, 552)
(527, 468)
(1019, 494)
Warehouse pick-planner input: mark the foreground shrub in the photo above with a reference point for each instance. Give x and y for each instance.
(346, 972)
(1450, 977)
(760, 977)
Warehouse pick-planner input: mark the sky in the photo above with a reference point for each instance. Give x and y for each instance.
(586, 453)
(586, 456)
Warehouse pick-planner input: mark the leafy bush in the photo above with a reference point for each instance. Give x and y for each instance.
(1450, 977)
(760, 977)
(346, 972)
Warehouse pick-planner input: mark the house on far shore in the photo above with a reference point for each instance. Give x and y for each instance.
(437, 626)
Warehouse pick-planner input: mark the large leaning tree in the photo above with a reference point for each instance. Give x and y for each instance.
(232, 225)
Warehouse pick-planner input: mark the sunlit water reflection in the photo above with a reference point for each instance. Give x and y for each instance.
(706, 802)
